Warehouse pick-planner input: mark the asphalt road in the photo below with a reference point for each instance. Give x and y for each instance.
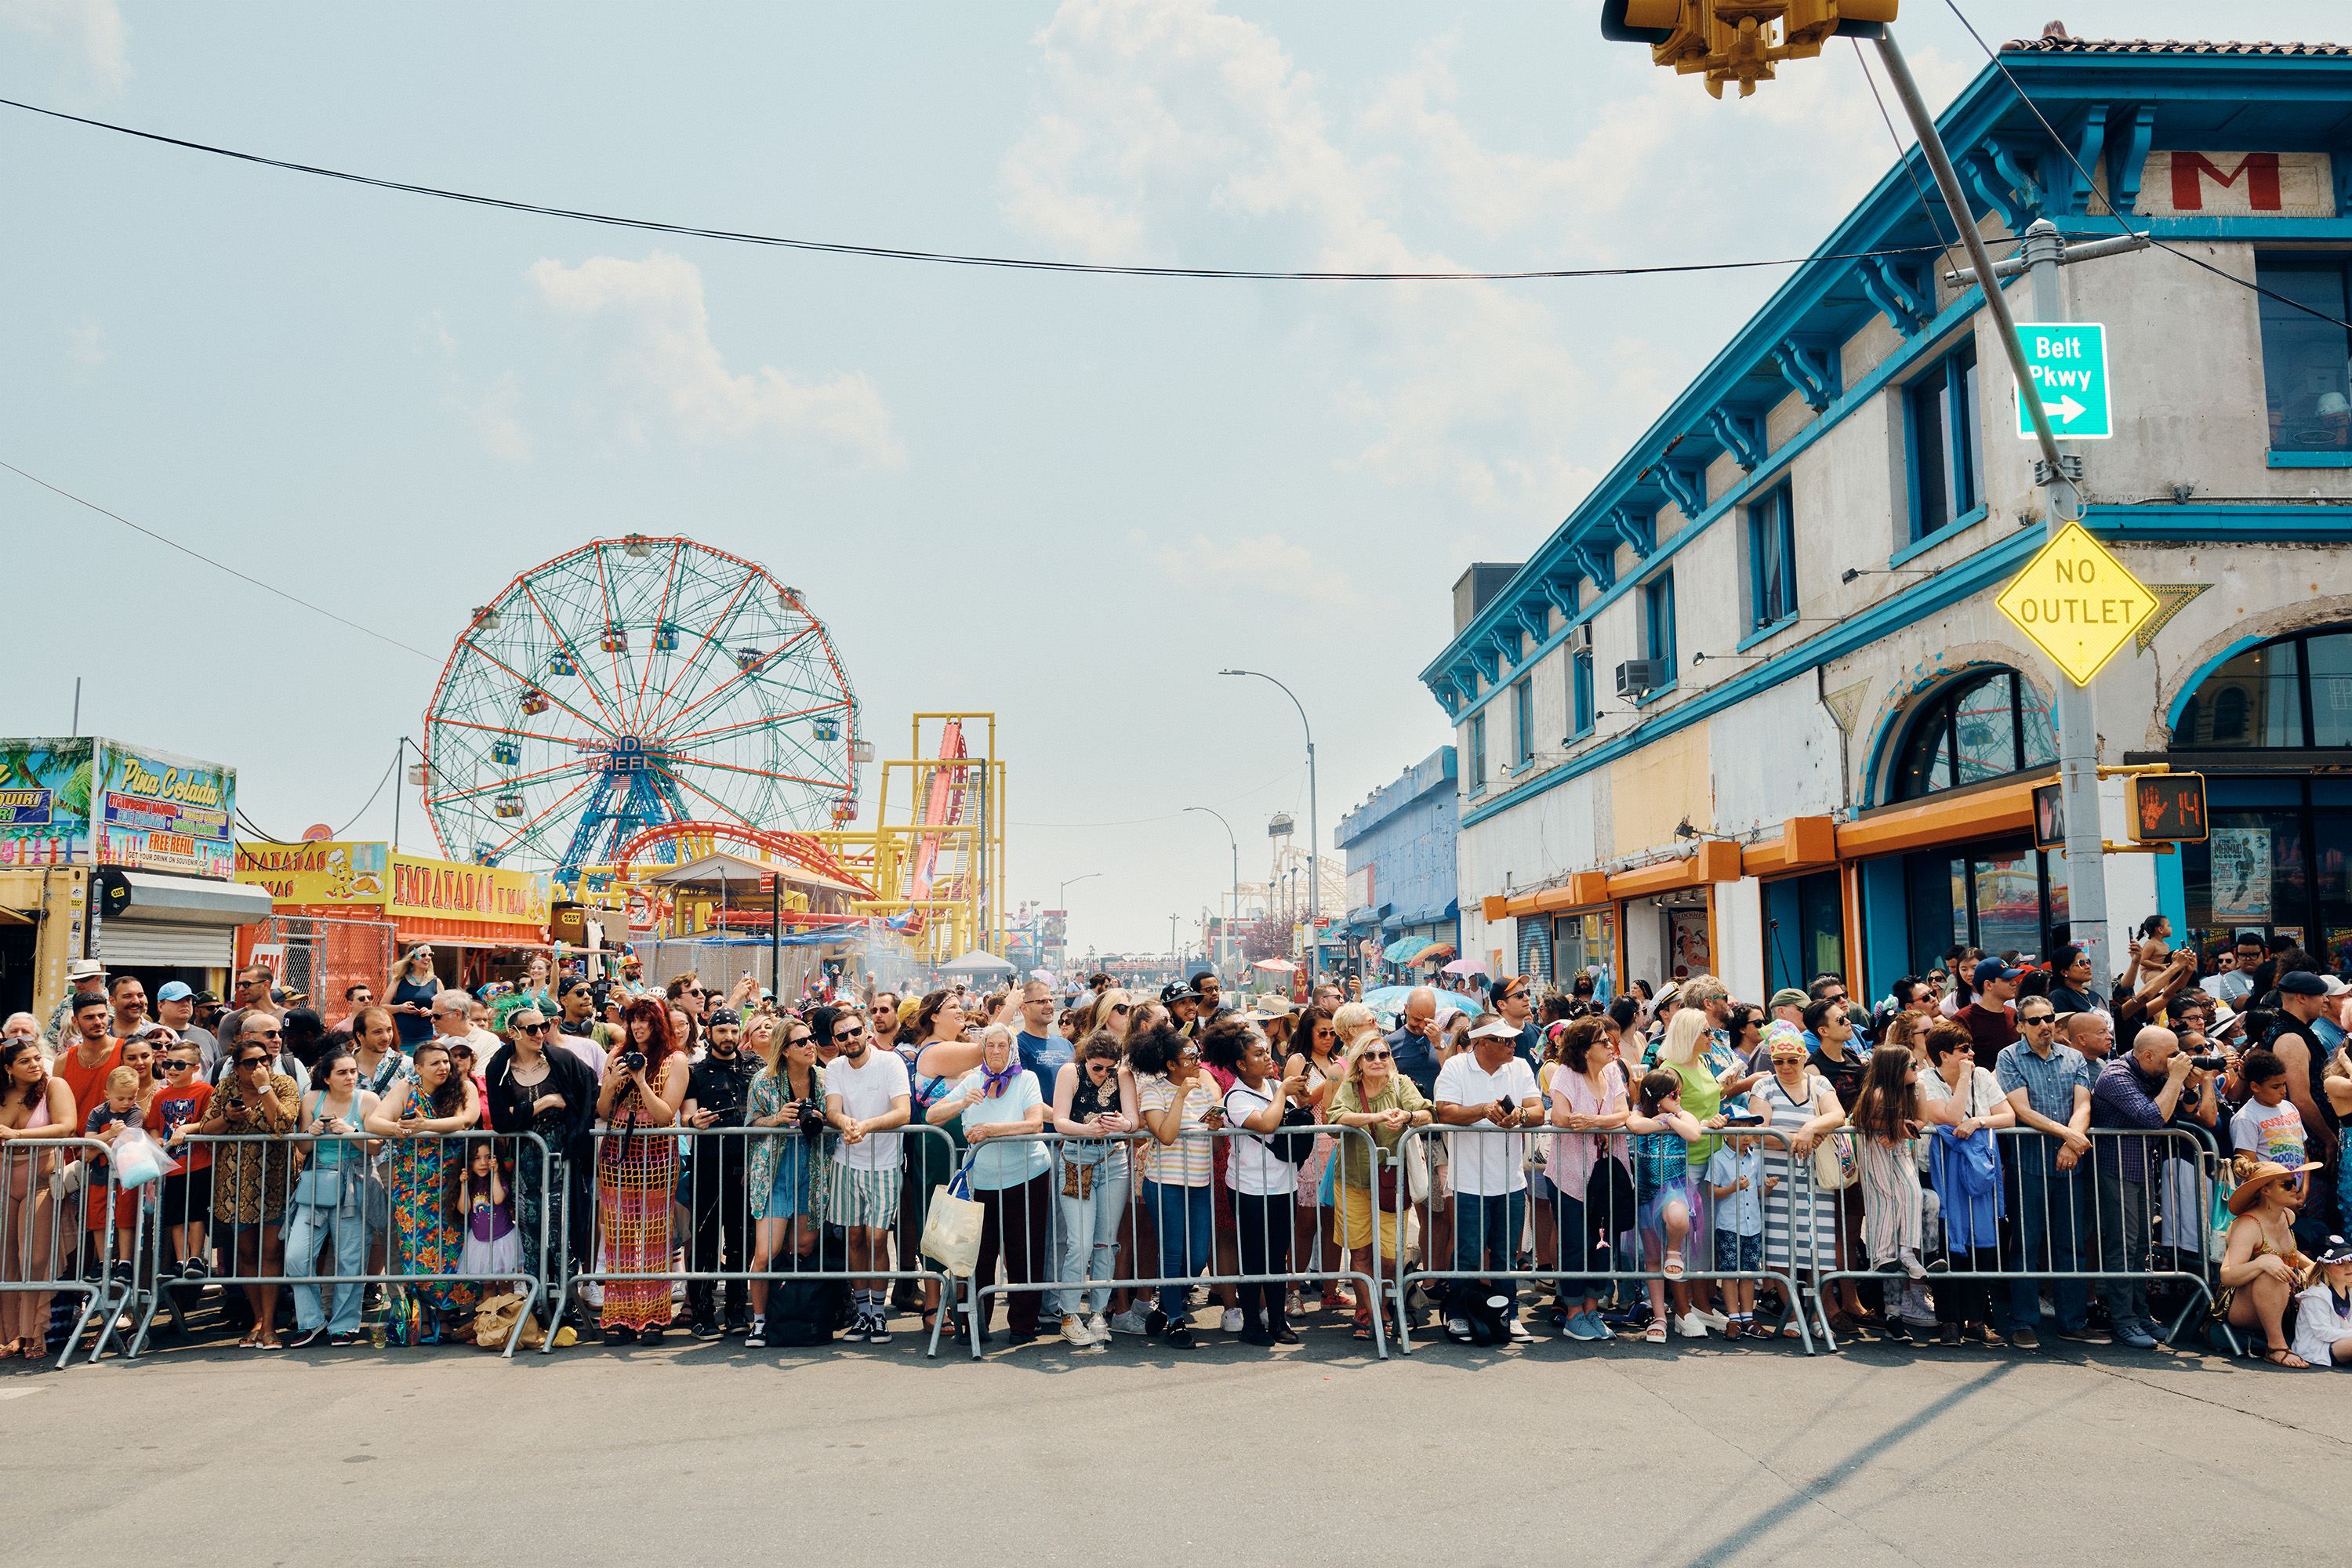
(1626, 1454)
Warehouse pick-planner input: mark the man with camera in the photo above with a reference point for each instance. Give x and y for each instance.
(2136, 1091)
(718, 1087)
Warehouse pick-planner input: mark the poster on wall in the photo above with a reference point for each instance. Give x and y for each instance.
(2241, 858)
(89, 800)
(1689, 945)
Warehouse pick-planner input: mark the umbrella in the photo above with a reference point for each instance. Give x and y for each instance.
(1391, 999)
(1404, 950)
(1047, 975)
(977, 962)
(1466, 966)
(1434, 953)
(1278, 965)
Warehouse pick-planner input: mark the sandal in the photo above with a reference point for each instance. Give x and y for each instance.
(1673, 1267)
(1363, 1329)
(1655, 1334)
(1789, 1330)
(2293, 1362)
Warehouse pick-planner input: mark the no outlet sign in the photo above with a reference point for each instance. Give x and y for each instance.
(2068, 363)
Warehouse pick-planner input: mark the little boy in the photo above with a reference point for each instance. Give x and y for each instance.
(1735, 1175)
(107, 1121)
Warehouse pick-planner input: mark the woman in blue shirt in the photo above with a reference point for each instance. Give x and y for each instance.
(1001, 1112)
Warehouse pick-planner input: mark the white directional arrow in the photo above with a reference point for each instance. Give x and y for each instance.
(2065, 409)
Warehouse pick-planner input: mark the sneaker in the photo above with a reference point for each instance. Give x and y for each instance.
(2024, 1340)
(193, 1270)
(706, 1328)
(1179, 1337)
(1134, 1321)
(2085, 1334)
(1596, 1328)
(1916, 1310)
(316, 1336)
(1098, 1329)
(1232, 1321)
(1691, 1326)
(758, 1338)
(855, 1332)
(2137, 1336)
(877, 1329)
(1155, 1323)
(1894, 1333)
(1197, 1297)
(738, 1318)
(1293, 1304)
(1517, 1331)
(1712, 1320)
(1074, 1334)
(1458, 1330)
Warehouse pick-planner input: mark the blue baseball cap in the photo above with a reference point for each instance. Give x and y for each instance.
(1993, 969)
(173, 991)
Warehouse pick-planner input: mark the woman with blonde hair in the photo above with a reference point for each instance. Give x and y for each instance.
(1351, 1022)
(1112, 1011)
(1384, 1103)
(2262, 1266)
(1683, 1053)
(410, 994)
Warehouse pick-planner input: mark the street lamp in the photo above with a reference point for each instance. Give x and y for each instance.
(1237, 862)
(1314, 833)
(1062, 898)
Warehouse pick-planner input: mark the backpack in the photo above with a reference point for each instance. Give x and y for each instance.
(803, 1312)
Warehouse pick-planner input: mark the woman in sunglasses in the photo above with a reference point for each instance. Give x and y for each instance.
(1315, 1055)
(250, 1180)
(1094, 1098)
(413, 987)
(437, 1100)
(1383, 1101)
(549, 1092)
(35, 1106)
(938, 1055)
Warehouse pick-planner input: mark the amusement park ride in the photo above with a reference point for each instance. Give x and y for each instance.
(642, 704)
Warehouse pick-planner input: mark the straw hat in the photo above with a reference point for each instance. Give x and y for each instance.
(2265, 1173)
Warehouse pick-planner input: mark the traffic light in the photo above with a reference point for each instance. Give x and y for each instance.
(2165, 808)
(1734, 40)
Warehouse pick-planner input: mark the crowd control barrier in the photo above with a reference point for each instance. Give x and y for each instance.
(329, 1214)
(1175, 1201)
(677, 1205)
(49, 1189)
(1578, 1212)
(2085, 1226)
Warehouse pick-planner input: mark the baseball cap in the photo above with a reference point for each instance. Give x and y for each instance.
(1788, 996)
(174, 991)
(2303, 983)
(2337, 1251)
(204, 999)
(2335, 987)
(1175, 990)
(1495, 1029)
(1993, 969)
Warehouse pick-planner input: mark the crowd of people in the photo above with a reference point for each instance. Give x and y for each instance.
(1661, 1163)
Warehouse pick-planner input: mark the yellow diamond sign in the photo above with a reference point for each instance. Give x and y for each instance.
(2077, 602)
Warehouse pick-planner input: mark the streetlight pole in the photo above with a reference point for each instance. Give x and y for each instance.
(1062, 899)
(1238, 859)
(1172, 964)
(1313, 832)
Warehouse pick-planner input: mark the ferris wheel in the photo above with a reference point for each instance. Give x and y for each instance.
(628, 684)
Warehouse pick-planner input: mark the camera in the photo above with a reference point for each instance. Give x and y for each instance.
(811, 1119)
(2209, 1063)
(633, 1061)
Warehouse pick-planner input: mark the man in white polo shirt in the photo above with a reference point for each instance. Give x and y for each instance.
(1490, 1089)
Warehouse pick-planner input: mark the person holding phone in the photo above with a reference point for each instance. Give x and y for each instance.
(643, 1087)
(1176, 1098)
(1889, 1119)
(1095, 1099)
(251, 1179)
(328, 1213)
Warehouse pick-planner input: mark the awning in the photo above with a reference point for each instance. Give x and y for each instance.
(434, 938)
(192, 900)
(737, 873)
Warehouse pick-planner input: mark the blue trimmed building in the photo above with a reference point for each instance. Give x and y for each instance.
(1401, 875)
(1750, 707)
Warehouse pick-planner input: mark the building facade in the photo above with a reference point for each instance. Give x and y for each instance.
(1399, 845)
(1750, 707)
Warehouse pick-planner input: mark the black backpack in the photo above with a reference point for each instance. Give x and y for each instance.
(804, 1312)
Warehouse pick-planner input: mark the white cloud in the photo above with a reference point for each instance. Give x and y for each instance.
(1168, 131)
(668, 372)
(94, 28)
(492, 417)
(86, 347)
(1270, 564)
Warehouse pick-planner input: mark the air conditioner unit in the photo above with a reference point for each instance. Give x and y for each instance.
(1636, 675)
(1580, 638)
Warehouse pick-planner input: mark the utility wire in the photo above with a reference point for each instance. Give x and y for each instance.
(216, 565)
(1900, 155)
(363, 811)
(2121, 222)
(895, 253)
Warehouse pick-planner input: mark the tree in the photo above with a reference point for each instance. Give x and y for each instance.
(1268, 937)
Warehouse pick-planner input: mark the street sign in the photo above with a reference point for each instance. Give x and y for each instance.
(2165, 808)
(2077, 602)
(2068, 363)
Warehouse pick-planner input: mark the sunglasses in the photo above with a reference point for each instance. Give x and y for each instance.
(1372, 1057)
(173, 1064)
(1119, 1008)
(1100, 1065)
(532, 1028)
(842, 1036)
(2039, 1018)
(269, 1035)
(253, 1062)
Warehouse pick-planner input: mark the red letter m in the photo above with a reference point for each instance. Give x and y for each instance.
(2261, 170)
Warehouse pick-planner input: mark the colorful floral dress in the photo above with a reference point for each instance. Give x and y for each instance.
(635, 1176)
(426, 1237)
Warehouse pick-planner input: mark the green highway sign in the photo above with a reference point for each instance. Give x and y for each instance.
(2068, 363)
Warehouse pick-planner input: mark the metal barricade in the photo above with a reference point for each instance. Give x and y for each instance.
(2092, 1220)
(679, 1205)
(1619, 1212)
(46, 1244)
(1131, 1185)
(272, 1207)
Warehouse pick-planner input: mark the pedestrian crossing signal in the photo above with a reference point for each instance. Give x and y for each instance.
(2167, 808)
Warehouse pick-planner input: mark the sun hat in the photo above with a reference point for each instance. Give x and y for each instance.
(2265, 1173)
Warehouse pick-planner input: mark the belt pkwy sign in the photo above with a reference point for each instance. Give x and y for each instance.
(2077, 602)
(2068, 363)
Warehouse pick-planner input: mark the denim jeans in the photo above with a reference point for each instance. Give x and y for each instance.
(1580, 1248)
(2125, 1207)
(1485, 1228)
(1182, 1217)
(1090, 1235)
(307, 1232)
(2050, 1211)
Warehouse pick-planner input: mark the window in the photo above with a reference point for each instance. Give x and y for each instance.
(1772, 556)
(2001, 897)
(1477, 752)
(1658, 602)
(1581, 678)
(1946, 459)
(2294, 692)
(1981, 727)
(1523, 718)
(2274, 862)
(2304, 354)
(1804, 930)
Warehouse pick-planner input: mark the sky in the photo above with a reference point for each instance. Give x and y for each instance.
(1067, 500)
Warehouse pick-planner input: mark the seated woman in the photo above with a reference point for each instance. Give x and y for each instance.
(2261, 1267)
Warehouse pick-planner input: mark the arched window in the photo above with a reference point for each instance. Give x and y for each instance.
(1982, 726)
(2292, 691)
